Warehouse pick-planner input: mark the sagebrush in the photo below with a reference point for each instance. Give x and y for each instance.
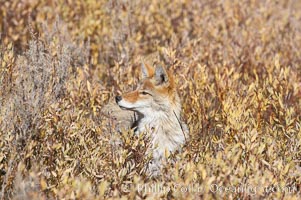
(238, 68)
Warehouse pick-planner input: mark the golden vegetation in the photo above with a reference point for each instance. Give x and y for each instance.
(238, 68)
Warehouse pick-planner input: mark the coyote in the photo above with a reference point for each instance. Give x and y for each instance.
(157, 105)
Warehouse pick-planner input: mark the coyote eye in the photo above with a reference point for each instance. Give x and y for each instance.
(145, 93)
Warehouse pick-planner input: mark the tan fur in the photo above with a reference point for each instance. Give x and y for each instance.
(157, 103)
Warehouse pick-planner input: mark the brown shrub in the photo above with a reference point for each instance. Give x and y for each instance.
(237, 65)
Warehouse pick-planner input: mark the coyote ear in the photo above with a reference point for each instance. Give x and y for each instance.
(161, 75)
(146, 70)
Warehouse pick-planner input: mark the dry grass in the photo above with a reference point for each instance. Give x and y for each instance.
(238, 68)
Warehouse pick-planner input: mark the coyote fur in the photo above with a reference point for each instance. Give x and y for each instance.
(158, 107)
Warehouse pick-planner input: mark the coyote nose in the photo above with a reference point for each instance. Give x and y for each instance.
(118, 98)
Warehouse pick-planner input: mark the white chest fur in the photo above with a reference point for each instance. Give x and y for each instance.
(165, 132)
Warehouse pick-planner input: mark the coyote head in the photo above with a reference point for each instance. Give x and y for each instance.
(156, 92)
